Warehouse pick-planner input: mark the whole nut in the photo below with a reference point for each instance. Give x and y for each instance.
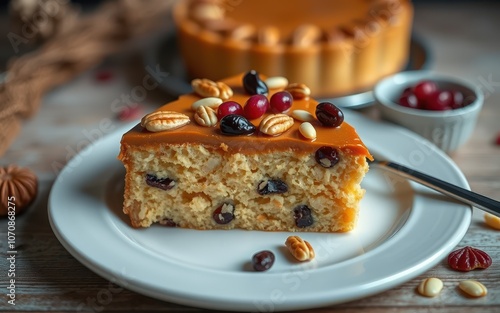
(306, 35)
(243, 32)
(276, 124)
(492, 221)
(430, 287)
(298, 90)
(307, 130)
(205, 87)
(473, 288)
(276, 82)
(299, 248)
(269, 36)
(303, 116)
(205, 116)
(225, 92)
(207, 11)
(164, 120)
(212, 102)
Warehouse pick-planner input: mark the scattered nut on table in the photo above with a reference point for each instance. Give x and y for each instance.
(492, 221)
(473, 288)
(430, 287)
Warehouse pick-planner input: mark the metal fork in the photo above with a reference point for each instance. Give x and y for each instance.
(466, 196)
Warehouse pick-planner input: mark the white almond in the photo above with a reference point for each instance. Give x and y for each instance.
(211, 102)
(302, 115)
(307, 130)
(430, 287)
(473, 288)
(276, 82)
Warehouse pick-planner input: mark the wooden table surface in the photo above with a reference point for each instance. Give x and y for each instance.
(464, 40)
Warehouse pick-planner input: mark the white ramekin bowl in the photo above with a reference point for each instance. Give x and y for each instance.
(449, 129)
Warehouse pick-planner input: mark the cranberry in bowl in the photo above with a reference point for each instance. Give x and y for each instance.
(441, 108)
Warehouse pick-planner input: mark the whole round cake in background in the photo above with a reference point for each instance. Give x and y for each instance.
(336, 47)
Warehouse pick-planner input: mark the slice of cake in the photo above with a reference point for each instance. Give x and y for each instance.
(265, 157)
(336, 47)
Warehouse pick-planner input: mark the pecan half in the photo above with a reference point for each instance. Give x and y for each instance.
(299, 248)
(276, 124)
(298, 90)
(164, 120)
(205, 87)
(205, 116)
(208, 88)
(225, 92)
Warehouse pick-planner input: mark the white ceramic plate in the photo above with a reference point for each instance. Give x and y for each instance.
(404, 230)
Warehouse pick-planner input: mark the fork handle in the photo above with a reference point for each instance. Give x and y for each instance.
(484, 203)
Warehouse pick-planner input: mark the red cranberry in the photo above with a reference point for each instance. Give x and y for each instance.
(424, 89)
(409, 100)
(281, 102)
(263, 260)
(229, 107)
(457, 99)
(256, 106)
(439, 100)
(329, 115)
(327, 156)
(497, 140)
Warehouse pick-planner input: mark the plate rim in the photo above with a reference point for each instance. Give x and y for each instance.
(321, 298)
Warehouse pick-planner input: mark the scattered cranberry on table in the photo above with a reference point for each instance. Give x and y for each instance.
(426, 95)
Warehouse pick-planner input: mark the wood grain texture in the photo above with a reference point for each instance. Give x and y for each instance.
(50, 279)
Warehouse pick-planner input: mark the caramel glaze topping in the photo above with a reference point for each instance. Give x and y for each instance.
(343, 137)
